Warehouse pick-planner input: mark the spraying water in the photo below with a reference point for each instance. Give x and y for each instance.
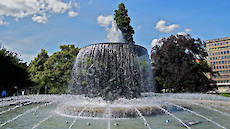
(114, 34)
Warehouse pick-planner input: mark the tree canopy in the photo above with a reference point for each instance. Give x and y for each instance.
(123, 22)
(180, 65)
(54, 71)
(36, 69)
(14, 75)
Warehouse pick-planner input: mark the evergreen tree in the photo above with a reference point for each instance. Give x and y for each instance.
(180, 65)
(123, 22)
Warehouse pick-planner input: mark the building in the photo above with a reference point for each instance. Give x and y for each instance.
(219, 58)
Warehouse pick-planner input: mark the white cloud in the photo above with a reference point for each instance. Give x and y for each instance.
(182, 33)
(40, 19)
(72, 13)
(187, 30)
(25, 47)
(104, 21)
(162, 27)
(2, 22)
(37, 9)
(156, 42)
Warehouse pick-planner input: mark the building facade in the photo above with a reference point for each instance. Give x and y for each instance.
(219, 58)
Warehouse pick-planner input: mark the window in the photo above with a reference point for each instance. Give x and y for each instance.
(221, 52)
(227, 52)
(224, 52)
(222, 62)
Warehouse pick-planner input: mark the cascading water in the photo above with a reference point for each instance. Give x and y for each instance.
(109, 73)
(112, 71)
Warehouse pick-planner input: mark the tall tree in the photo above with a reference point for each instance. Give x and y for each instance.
(123, 22)
(14, 75)
(58, 68)
(180, 65)
(36, 69)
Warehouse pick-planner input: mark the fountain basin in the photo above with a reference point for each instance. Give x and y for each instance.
(207, 111)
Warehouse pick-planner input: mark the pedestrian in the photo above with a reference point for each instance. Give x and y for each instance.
(3, 93)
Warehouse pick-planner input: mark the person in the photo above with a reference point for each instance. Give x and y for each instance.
(3, 94)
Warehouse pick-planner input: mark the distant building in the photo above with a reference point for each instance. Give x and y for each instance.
(219, 58)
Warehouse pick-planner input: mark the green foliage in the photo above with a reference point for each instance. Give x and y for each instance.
(36, 69)
(123, 22)
(225, 94)
(180, 65)
(14, 74)
(58, 67)
(54, 71)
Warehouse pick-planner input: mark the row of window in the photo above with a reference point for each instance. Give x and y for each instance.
(219, 57)
(221, 62)
(222, 76)
(218, 53)
(221, 67)
(222, 81)
(223, 71)
(219, 48)
(217, 44)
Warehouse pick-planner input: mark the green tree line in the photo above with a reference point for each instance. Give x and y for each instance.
(53, 72)
(14, 74)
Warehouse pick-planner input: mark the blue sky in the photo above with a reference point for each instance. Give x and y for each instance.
(26, 27)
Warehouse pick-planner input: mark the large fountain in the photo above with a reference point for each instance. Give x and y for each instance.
(112, 88)
(111, 71)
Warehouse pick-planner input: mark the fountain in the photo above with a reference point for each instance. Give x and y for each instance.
(112, 88)
(121, 69)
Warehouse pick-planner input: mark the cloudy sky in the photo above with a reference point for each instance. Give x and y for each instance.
(26, 26)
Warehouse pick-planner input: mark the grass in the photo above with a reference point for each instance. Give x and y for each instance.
(225, 94)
